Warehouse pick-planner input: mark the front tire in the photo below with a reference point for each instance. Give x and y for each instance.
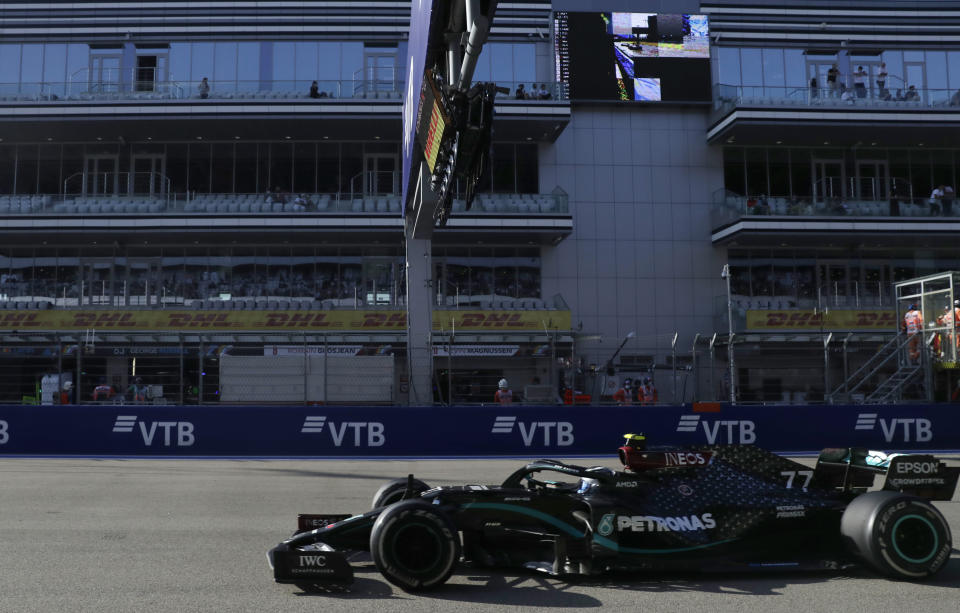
(393, 491)
(414, 545)
(900, 536)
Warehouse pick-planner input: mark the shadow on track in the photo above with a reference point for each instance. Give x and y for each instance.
(522, 589)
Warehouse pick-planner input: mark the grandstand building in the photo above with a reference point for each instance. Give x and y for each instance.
(185, 181)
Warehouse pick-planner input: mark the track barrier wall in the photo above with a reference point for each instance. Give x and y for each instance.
(549, 431)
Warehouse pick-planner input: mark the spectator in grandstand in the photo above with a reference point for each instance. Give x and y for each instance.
(137, 391)
(204, 88)
(300, 203)
(544, 94)
(648, 392)
(314, 90)
(503, 394)
(103, 391)
(946, 202)
(833, 78)
(912, 94)
(955, 99)
(521, 93)
(936, 200)
(882, 79)
(814, 89)
(624, 395)
(281, 195)
(860, 82)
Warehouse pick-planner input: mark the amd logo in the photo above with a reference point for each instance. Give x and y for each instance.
(742, 431)
(175, 433)
(559, 431)
(915, 429)
(374, 431)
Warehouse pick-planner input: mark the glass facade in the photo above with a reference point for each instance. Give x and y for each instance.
(793, 68)
(864, 174)
(349, 276)
(342, 68)
(795, 278)
(327, 167)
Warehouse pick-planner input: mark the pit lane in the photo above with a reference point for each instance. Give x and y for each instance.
(190, 535)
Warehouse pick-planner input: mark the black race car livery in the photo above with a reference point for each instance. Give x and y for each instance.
(692, 508)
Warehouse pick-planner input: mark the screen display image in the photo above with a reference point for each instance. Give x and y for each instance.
(647, 57)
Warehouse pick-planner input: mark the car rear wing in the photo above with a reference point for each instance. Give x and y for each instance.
(855, 468)
(922, 475)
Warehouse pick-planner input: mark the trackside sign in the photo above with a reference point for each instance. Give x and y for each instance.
(441, 431)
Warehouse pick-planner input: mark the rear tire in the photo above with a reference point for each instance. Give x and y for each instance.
(414, 545)
(900, 536)
(393, 491)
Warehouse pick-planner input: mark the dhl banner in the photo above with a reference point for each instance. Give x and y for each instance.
(317, 321)
(879, 320)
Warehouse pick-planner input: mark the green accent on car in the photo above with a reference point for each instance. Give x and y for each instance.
(933, 531)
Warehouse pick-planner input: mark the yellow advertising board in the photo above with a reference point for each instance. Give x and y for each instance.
(865, 319)
(291, 321)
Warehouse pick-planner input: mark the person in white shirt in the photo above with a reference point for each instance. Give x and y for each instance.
(860, 83)
(936, 198)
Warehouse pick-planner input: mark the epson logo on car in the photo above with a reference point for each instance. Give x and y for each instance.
(742, 431)
(917, 468)
(559, 433)
(915, 429)
(375, 437)
(175, 433)
(649, 523)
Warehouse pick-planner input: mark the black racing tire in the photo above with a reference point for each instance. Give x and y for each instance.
(414, 545)
(900, 536)
(392, 491)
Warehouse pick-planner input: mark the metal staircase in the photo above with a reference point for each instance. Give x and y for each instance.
(892, 387)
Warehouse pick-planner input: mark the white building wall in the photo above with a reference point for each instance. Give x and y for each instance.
(640, 181)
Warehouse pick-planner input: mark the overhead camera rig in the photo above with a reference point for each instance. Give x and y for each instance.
(455, 118)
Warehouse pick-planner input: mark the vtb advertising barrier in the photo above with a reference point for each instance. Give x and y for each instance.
(547, 431)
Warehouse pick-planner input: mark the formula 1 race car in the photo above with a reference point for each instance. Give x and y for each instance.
(691, 508)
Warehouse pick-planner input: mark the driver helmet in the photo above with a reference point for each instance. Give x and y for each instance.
(646, 380)
(67, 386)
(956, 303)
(503, 384)
(913, 307)
(627, 382)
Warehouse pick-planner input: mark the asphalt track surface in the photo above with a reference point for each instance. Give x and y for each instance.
(191, 535)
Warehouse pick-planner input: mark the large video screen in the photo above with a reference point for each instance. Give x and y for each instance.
(647, 57)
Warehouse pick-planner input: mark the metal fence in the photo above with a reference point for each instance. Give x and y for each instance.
(346, 368)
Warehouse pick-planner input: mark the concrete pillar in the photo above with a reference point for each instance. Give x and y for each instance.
(420, 291)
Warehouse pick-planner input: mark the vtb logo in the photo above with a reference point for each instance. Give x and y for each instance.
(742, 431)
(917, 428)
(560, 431)
(175, 433)
(375, 437)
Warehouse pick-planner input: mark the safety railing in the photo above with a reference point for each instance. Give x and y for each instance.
(82, 91)
(104, 196)
(728, 97)
(729, 207)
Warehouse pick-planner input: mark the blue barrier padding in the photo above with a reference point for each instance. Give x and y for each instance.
(422, 432)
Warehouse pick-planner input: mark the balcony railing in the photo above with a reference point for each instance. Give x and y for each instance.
(181, 204)
(193, 91)
(729, 207)
(728, 97)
